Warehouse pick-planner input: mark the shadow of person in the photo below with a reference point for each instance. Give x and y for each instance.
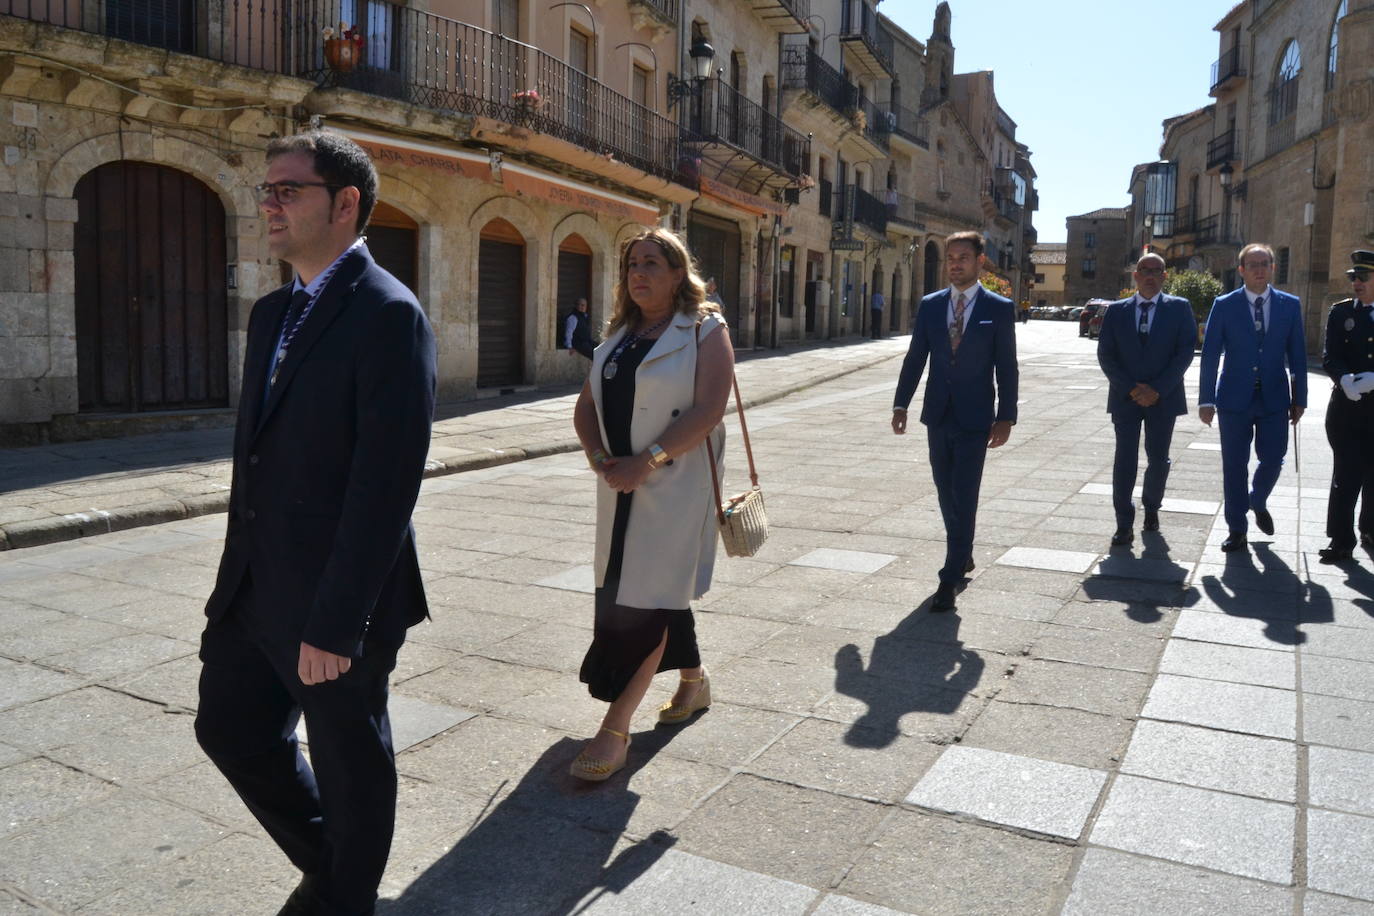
(1123, 580)
(921, 666)
(543, 847)
(1259, 585)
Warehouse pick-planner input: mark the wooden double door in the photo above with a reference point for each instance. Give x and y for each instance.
(151, 291)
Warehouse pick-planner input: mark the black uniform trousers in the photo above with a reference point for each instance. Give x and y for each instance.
(1350, 431)
(334, 821)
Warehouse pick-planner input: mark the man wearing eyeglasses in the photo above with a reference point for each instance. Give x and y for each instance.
(319, 579)
(1145, 346)
(1262, 388)
(1348, 358)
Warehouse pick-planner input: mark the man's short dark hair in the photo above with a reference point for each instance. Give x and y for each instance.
(972, 238)
(338, 161)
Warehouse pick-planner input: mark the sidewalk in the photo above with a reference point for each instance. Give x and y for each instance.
(60, 492)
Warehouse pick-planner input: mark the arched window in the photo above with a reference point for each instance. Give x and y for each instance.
(1331, 54)
(1283, 98)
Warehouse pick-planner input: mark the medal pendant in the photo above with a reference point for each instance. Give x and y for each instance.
(609, 370)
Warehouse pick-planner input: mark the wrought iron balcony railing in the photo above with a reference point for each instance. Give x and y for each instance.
(911, 126)
(1214, 230)
(722, 114)
(876, 121)
(407, 54)
(901, 208)
(1223, 148)
(855, 205)
(861, 31)
(1226, 68)
(664, 10)
(803, 68)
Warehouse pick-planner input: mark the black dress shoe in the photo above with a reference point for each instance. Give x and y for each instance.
(944, 598)
(1122, 537)
(1151, 520)
(1332, 554)
(1263, 520)
(1234, 541)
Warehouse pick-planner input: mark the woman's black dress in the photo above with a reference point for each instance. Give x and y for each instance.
(623, 637)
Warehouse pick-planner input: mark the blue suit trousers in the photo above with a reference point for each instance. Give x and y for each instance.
(1159, 432)
(1269, 432)
(956, 463)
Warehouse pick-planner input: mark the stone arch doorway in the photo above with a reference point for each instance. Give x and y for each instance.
(931, 281)
(500, 306)
(574, 281)
(394, 240)
(151, 291)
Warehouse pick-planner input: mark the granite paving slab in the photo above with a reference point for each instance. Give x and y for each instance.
(1339, 849)
(1241, 708)
(681, 884)
(1111, 883)
(1050, 798)
(844, 560)
(1341, 779)
(1040, 558)
(1200, 626)
(1229, 833)
(1237, 664)
(1209, 759)
(1338, 722)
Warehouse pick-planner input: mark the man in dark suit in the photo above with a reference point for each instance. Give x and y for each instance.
(1145, 345)
(969, 336)
(1262, 387)
(1348, 357)
(319, 578)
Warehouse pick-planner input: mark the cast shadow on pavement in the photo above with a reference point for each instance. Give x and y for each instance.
(545, 846)
(1257, 584)
(921, 666)
(1144, 582)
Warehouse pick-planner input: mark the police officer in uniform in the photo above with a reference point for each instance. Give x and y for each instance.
(1349, 360)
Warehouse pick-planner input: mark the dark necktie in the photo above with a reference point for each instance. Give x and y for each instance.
(956, 330)
(1259, 319)
(1143, 330)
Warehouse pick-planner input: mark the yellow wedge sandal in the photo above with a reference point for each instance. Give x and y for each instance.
(593, 770)
(674, 713)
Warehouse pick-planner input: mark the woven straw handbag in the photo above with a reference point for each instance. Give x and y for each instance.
(742, 519)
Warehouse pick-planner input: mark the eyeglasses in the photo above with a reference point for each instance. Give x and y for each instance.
(1150, 271)
(1360, 276)
(286, 192)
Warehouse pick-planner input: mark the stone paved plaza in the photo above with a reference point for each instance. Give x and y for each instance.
(1159, 730)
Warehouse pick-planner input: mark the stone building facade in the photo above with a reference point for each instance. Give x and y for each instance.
(1048, 260)
(1096, 249)
(519, 143)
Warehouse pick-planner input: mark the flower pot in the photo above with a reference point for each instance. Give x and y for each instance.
(341, 54)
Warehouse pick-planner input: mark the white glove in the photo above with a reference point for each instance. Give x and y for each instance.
(1364, 382)
(1348, 386)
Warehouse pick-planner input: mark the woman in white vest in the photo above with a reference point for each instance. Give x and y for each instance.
(657, 388)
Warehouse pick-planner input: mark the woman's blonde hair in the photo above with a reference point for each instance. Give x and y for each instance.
(690, 298)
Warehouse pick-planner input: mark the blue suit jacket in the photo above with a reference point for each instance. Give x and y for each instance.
(962, 388)
(327, 466)
(1160, 363)
(1231, 330)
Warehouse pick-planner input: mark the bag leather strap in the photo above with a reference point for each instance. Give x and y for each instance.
(744, 430)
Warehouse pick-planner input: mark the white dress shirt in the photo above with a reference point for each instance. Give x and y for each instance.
(1268, 298)
(1150, 318)
(970, 297)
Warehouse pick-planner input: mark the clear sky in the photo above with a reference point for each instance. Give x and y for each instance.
(1086, 81)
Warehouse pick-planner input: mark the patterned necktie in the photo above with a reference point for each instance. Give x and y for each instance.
(956, 330)
(1259, 319)
(288, 328)
(1143, 330)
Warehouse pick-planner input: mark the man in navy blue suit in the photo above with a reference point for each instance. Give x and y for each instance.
(1261, 389)
(319, 578)
(1145, 346)
(969, 336)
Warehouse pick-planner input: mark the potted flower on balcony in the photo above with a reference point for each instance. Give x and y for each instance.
(343, 50)
(805, 183)
(528, 101)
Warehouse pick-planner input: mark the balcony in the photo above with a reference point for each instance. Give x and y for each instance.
(855, 206)
(1004, 207)
(738, 135)
(910, 127)
(1215, 231)
(901, 208)
(803, 69)
(874, 121)
(866, 45)
(784, 16)
(1223, 150)
(410, 56)
(1227, 72)
(1283, 108)
(659, 15)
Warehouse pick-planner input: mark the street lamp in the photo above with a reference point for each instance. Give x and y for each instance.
(1225, 175)
(702, 55)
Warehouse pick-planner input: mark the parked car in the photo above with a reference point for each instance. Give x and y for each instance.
(1075, 312)
(1085, 316)
(1095, 323)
